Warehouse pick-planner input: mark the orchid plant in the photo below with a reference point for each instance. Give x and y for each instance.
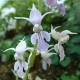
(40, 40)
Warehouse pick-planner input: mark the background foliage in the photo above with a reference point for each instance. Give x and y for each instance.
(11, 31)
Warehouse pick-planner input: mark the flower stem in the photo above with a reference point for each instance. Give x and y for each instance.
(15, 74)
(16, 77)
(31, 61)
(40, 5)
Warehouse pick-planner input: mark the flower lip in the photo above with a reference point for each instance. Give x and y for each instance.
(59, 49)
(42, 37)
(19, 66)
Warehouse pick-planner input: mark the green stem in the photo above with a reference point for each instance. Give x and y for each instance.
(31, 61)
(40, 5)
(26, 77)
(16, 77)
(15, 74)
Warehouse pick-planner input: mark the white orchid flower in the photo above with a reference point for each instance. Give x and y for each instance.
(20, 67)
(35, 16)
(45, 56)
(62, 38)
(20, 48)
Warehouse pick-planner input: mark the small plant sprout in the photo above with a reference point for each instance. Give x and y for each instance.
(35, 16)
(54, 3)
(62, 38)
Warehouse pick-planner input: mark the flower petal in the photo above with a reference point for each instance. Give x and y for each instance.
(46, 54)
(20, 73)
(51, 3)
(62, 9)
(56, 35)
(10, 49)
(35, 16)
(44, 64)
(34, 12)
(60, 1)
(65, 32)
(33, 38)
(46, 35)
(56, 48)
(22, 18)
(25, 65)
(42, 45)
(45, 57)
(63, 39)
(46, 14)
(21, 47)
(61, 51)
(48, 61)
(16, 65)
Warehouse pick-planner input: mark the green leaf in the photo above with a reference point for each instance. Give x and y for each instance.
(73, 77)
(6, 44)
(65, 62)
(54, 59)
(78, 73)
(65, 77)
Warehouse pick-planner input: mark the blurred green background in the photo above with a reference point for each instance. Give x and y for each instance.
(11, 31)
